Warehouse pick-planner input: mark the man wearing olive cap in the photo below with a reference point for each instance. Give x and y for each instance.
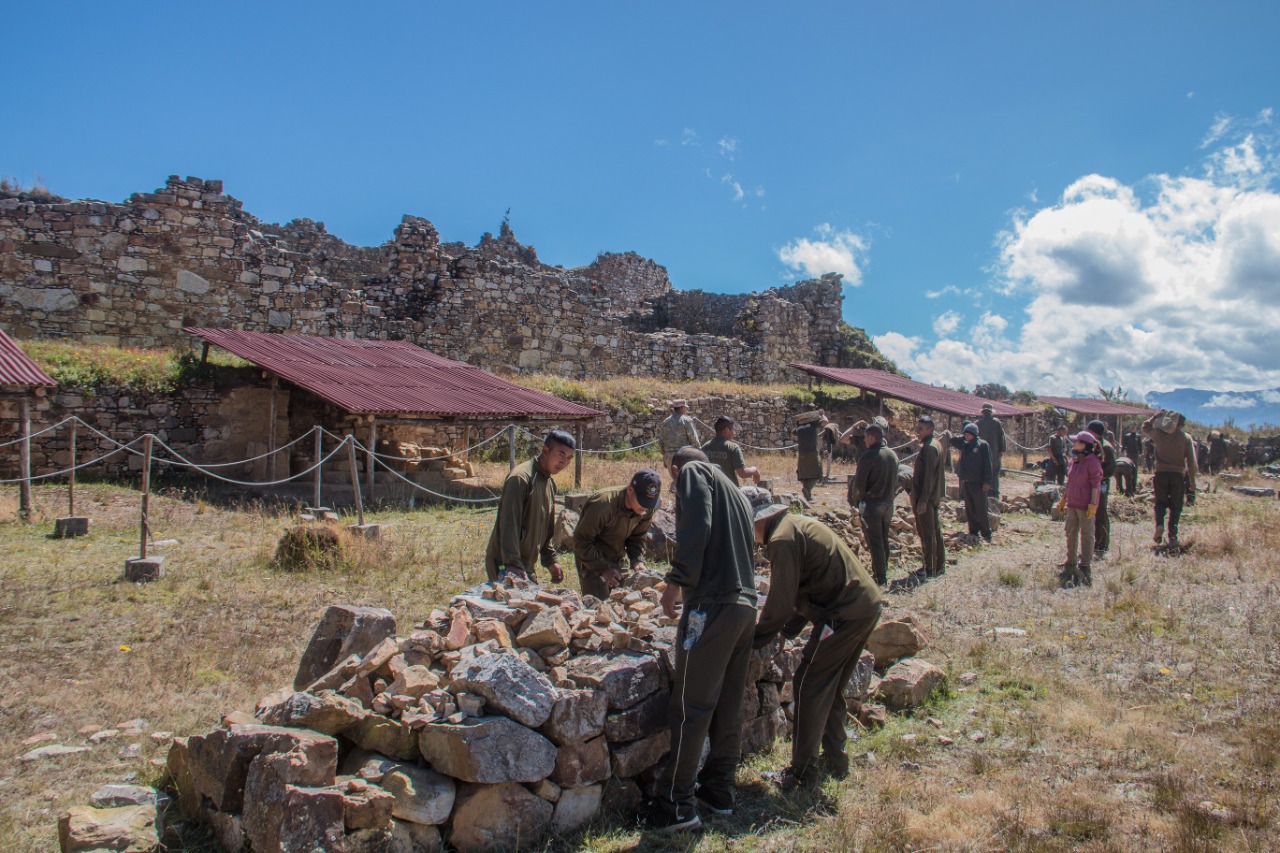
(872, 491)
(991, 431)
(676, 431)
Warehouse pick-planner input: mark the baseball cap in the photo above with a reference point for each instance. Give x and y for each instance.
(925, 419)
(1085, 436)
(761, 500)
(648, 487)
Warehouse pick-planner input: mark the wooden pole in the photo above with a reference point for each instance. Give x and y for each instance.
(24, 452)
(1026, 439)
(71, 475)
(319, 455)
(511, 445)
(146, 495)
(271, 430)
(355, 479)
(577, 457)
(369, 459)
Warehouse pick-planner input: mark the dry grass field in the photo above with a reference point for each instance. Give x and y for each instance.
(1140, 714)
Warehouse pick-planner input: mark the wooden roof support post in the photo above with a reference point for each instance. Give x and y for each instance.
(577, 456)
(24, 450)
(272, 439)
(370, 460)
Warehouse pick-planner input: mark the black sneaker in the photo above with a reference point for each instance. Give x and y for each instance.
(659, 816)
(714, 801)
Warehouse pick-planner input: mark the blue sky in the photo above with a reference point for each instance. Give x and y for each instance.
(1000, 182)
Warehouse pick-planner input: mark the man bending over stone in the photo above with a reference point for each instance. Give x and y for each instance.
(613, 525)
(815, 578)
(713, 572)
(527, 514)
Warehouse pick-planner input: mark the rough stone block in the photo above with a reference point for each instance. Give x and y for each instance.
(577, 715)
(219, 761)
(179, 769)
(416, 837)
(576, 808)
(129, 829)
(488, 750)
(909, 683)
(632, 759)
(510, 686)
(638, 721)
(139, 570)
(545, 628)
(118, 796)
(325, 712)
(385, 736)
(266, 794)
(366, 807)
(491, 818)
(344, 630)
(582, 763)
(859, 683)
(625, 677)
(894, 640)
(421, 794)
(365, 531)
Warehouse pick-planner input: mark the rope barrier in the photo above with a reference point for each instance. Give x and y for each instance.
(19, 439)
(537, 437)
(72, 468)
(422, 488)
(305, 435)
(186, 463)
(499, 434)
(1022, 447)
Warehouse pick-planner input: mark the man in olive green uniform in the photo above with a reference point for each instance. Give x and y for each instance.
(928, 488)
(1059, 447)
(874, 485)
(526, 514)
(1102, 520)
(676, 431)
(713, 572)
(808, 463)
(991, 431)
(725, 453)
(814, 578)
(613, 525)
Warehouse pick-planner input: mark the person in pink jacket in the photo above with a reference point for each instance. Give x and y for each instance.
(1080, 503)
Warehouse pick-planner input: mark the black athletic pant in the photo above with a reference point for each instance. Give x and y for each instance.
(975, 509)
(1169, 490)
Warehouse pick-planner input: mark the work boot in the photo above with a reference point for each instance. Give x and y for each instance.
(787, 781)
(1085, 575)
(1159, 535)
(1067, 575)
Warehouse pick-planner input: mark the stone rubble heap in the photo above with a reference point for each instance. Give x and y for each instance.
(517, 711)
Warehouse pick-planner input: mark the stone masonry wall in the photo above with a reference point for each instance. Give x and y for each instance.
(134, 274)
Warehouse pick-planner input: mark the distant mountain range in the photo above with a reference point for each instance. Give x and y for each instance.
(1214, 408)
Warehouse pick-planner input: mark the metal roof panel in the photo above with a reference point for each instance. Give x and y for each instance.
(901, 388)
(1093, 406)
(17, 368)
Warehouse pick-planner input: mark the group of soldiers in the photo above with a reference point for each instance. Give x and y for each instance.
(711, 590)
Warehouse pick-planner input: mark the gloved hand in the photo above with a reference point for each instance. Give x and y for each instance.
(1091, 511)
(1062, 505)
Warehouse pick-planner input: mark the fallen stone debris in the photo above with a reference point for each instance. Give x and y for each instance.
(516, 712)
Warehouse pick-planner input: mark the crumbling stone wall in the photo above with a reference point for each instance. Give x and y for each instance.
(135, 273)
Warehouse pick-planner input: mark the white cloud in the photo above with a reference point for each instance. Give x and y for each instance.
(728, 147)
(946, 323)
(688, 136)
(1270, 396)
(896, 347)
(1231, 401)
(734, 186)
(834, 250)
(1171, 282)
(1221, 124)
(661, 143)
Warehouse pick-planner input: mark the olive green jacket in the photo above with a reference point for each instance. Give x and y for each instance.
(726, 455)
(607, 530)
(928, 479)
(815, 577)
(715, 556)
(877, 476)
(526, 516)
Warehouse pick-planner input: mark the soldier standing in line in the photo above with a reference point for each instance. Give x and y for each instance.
(814, 578)
(613, 525)
(928, 488)
(676, 431)
(808, 464)
(713, 573)
(727, 454)
(1101, 520)
(526, 514)
(974, 471)
(991, 431)
(1059, 447)
(872, 491)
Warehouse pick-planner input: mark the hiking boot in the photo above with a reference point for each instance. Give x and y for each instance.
(714, 801)
(1159, 536)
(787, 781)
(935, 573)
(836, 766)
(1066, 575)
(1100, 554)
(1085, 575)
(660, 816)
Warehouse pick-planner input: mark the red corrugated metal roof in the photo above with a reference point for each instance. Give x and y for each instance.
(390, 377)
(17, 368)
(901, 388)
(1092, 406)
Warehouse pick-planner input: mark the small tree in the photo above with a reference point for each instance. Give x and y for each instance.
(992, 391)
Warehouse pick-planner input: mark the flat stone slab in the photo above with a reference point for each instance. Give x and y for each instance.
(488, 750)
(1255, 491)
(366, 531)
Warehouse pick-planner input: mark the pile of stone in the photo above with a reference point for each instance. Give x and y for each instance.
(903, 541)
(423, 463)
(515, 712)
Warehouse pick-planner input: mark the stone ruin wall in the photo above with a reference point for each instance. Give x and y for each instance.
(134, 274)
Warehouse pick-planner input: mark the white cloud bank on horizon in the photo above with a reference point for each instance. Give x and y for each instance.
(1177, 287)
(834, 250)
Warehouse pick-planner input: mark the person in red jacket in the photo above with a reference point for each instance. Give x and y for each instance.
(1080, 503)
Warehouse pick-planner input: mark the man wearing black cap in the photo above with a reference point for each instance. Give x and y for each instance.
(991, 431)
(713, 574)
(526, 514)
(613, 525)
(1102, 521)
(814, 578)
(928, 488)
(974, 471)
(874, 485)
